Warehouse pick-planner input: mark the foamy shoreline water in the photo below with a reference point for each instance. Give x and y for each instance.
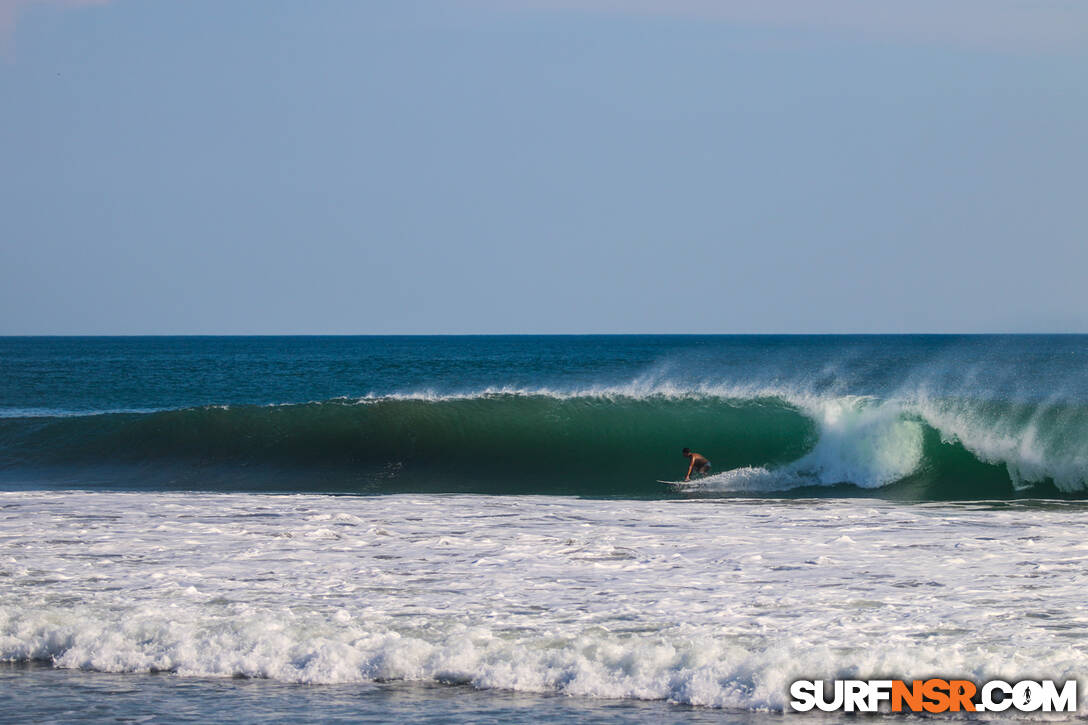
(710, 603)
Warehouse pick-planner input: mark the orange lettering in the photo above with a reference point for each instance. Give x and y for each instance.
(912, 695)
(936, 691)
(961, 692)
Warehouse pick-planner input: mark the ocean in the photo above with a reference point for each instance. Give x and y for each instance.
(475, 529)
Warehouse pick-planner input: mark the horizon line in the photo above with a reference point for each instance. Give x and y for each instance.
(537, 334)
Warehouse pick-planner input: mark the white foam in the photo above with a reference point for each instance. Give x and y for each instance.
(634, 390)
(864, 440)
(1035, 442)
(702, 602)
(860, 441)
(24, 412)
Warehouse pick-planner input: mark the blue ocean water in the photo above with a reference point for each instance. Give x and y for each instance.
(920, 417)
(34, 693)
(500, 547)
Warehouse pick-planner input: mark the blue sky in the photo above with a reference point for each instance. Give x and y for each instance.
(433, 166)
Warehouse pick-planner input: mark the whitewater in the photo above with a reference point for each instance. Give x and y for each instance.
(606, 442)
(910, 418)
(473, 529)
(709, 603)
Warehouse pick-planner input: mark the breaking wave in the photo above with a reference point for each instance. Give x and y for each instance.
(596, 442)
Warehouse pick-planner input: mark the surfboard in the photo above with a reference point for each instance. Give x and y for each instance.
(693, 483)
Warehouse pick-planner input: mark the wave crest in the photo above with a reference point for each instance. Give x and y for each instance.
(601, 441)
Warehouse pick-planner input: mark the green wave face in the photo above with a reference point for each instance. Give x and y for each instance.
(495, 443)
(521, 443)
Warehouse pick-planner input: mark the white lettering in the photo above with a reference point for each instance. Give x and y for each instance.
(803, 693)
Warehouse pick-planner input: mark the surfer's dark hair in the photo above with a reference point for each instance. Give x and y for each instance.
(685, 451)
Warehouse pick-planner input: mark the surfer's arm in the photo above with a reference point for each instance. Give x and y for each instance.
(690, 466)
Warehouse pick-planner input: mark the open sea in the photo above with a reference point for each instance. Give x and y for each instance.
(475, 529)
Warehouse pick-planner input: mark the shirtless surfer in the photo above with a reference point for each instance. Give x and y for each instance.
(699, 464)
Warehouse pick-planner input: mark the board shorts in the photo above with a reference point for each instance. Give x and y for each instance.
(704, 468)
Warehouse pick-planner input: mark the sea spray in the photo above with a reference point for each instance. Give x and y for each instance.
(596, 442)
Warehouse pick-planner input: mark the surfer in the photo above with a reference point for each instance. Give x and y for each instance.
(699, 464)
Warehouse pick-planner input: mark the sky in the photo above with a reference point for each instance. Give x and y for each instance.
(543, 166)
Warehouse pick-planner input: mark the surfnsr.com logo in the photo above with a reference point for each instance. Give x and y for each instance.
(933, 695)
